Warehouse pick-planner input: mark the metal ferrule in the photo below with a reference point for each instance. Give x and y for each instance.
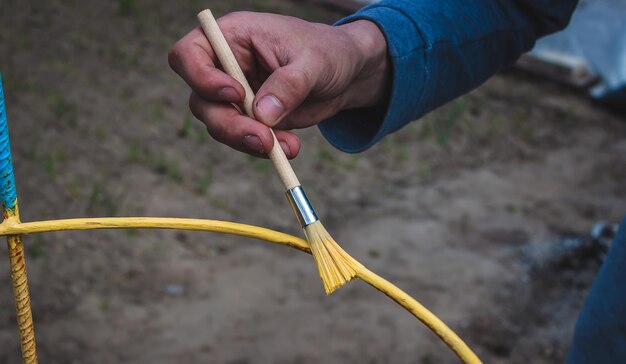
(301, 206)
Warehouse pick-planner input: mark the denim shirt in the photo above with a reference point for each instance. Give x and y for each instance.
(441, 49)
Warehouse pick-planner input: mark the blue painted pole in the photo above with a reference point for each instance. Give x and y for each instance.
(15, 245)
(7, 181)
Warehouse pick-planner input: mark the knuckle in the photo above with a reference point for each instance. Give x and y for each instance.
(295, 82)
(195, 109)
(208, 80)
(218, 132)
(173, 56)
(232, 21)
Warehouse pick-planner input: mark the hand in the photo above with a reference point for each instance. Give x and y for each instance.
(302, 73)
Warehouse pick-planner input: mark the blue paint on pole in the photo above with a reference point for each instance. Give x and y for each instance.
(7, 181)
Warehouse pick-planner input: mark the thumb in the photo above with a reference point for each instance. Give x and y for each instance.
(283, 91)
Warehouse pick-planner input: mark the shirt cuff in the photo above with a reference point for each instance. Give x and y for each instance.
(356, 130)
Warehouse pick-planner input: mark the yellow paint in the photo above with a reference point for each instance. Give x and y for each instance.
(20, 288)
(12, 226)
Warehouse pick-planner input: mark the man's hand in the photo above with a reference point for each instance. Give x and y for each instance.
(302, 73)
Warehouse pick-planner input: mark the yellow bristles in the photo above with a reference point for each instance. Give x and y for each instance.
(336, 267)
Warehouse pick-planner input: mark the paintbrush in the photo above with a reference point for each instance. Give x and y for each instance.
(335, 266)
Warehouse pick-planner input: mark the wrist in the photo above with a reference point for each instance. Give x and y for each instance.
(371, 83)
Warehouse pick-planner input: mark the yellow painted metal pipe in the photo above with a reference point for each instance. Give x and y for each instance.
(17, 262)
(12, 226)
(21, 295)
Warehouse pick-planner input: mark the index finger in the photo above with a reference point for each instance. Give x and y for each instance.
(193, 59)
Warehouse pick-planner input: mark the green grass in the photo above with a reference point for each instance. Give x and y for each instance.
(512, 208)
(373, 253)
(446, 125)
(425, 170)
(396, 150)
(326, 158)
(105, 305)
(262, 6)
(36, 249)
(101, 197)
(61, 66)
(73, 186)
(205, 181)
(352, 163)
(441, 124)
(132, 232)
(262, 166)
(186, 128)
(126, 8)
(63, 109)
(161, 165)
(101, 133)
(133, 154)
(127, 58)
(495, 126)
(157, 110)
(52, 162)
(522, 125)
(202, 137)
(33, 147)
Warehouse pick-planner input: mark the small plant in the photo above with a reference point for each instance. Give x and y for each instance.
(36, 248)
(132, 232)
(262, 166)
(326, 158)
(185, 129)
(61, 66)
(63, 110)
(445, 126)
(395, 149)
(73, 188)
(105, 305)
(512, 208)
(158, 111)
(33, 148)
(126, 7)
(201, 137)
(352, 163)
(100, 196)
(494, 126)
(441, 124)
(262, 6)
(425, 170)
(101, 132)
(205, 181)
(373, 253)
(162, 165)
(52, 162)
(133, 152)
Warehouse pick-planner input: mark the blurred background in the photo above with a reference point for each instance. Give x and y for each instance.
(482, 210)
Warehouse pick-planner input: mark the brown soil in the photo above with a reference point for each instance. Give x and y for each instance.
(448, 209)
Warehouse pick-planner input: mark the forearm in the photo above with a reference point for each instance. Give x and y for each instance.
(439, 50)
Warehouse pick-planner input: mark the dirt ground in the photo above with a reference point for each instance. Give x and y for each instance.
(456, 209)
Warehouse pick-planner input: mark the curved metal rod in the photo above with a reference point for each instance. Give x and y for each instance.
(12, 226)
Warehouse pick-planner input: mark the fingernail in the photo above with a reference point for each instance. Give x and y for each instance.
(269, 109)
(286, 149)
(228, 94)
(253, 143)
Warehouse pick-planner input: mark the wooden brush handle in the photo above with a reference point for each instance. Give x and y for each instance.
(230, 65)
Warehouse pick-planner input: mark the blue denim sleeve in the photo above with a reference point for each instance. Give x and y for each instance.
(440, 49)
(600, 333)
